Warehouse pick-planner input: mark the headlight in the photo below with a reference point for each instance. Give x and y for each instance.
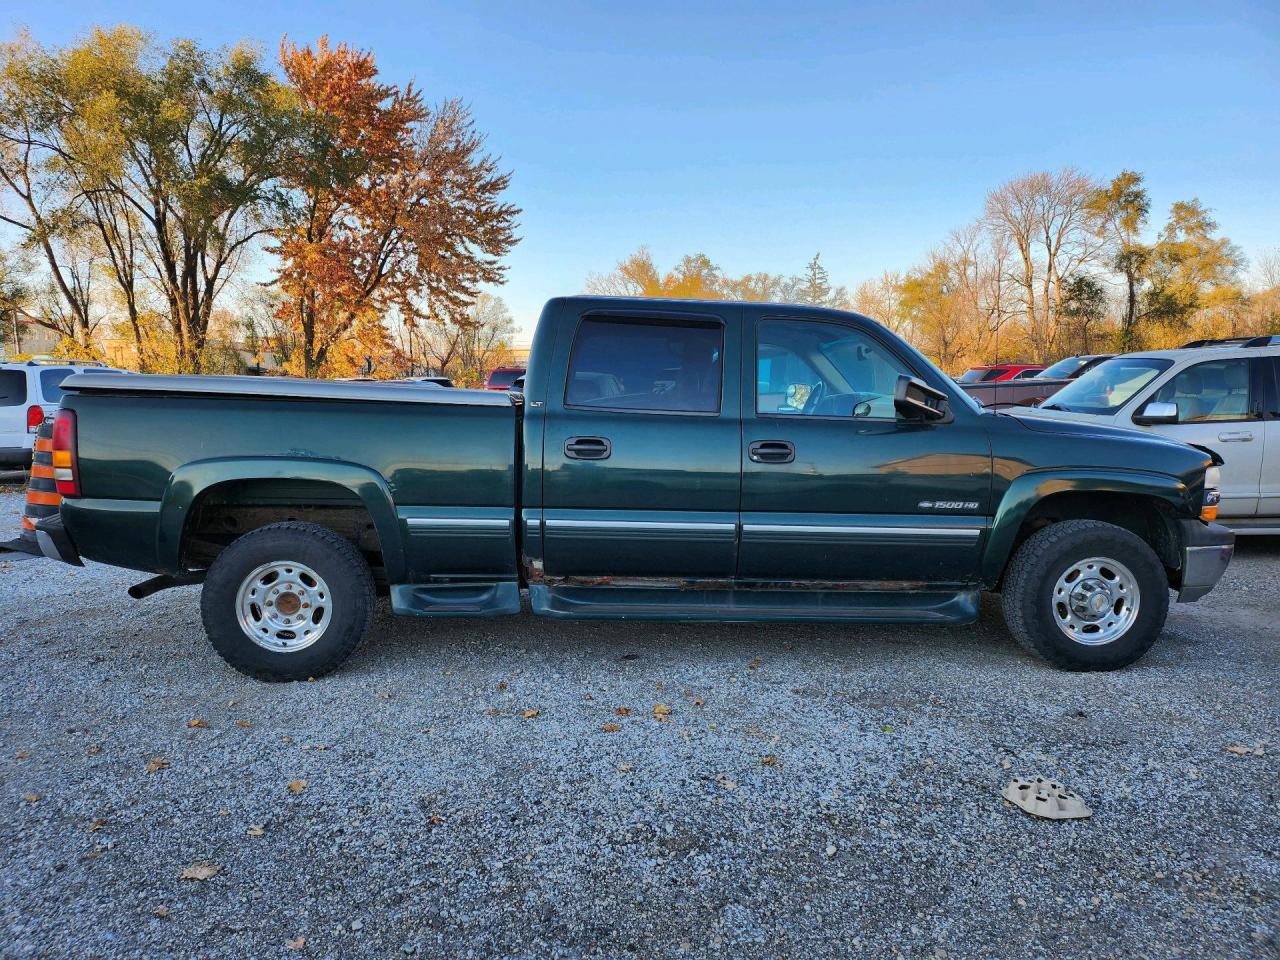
(1212, 495)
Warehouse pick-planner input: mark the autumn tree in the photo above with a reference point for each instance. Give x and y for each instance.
(395, 210)
(164, 159)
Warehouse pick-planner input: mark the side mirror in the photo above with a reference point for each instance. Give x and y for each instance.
(1156, 412)
(916, 400)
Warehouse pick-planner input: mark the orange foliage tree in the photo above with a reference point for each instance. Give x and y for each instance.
(395, 210)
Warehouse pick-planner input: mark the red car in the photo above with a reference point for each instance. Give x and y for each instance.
(997, 372)
(502, 378)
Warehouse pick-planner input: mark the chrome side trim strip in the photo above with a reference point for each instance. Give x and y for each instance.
(695, 525)
(451, 523)
(967, 533)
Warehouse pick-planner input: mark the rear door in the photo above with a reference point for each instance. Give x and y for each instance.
(835, 485)
(1220, 407)
(641, 446)
(1269, 487)
(14, 438)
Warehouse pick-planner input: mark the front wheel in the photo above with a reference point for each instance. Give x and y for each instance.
(287, 601)
(1086, 595)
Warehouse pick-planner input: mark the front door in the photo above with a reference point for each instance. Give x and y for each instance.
(640, 452)
(835, 485)
(1220, 407)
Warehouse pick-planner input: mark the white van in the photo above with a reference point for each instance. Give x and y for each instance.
(1219, 394)
(30, 391)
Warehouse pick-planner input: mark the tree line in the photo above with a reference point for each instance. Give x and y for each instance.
(1057, 264)
(141, 183)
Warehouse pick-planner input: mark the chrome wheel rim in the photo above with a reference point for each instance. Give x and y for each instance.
(1095, 601)
(284, 606)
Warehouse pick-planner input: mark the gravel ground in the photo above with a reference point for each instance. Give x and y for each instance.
(814, 791)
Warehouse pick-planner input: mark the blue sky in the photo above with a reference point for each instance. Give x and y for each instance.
(761, 133)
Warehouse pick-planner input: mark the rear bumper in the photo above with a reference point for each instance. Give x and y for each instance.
(55, 542)
(1206, 552)
(15, 457)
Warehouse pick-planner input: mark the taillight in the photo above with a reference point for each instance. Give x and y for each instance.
(35, 417)
(66, 469)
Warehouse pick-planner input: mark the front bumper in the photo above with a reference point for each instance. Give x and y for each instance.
(55, 542)
(1206, 552)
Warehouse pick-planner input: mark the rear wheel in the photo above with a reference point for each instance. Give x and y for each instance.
(287, 601)
(1086, 595)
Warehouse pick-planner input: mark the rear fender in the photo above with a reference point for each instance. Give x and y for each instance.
(190, 480)
(1030, 488)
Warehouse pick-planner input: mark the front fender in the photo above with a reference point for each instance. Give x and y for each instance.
(192, 479)
(1032, 487)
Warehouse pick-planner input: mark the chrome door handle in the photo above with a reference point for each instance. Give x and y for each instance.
(1236, 436)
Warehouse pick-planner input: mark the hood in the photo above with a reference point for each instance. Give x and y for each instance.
(1083, 425)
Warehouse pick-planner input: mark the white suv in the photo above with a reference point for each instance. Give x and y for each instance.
(30, 391)
(1219, 394)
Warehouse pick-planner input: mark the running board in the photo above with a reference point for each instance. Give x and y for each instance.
(673, 603)
(455, 599)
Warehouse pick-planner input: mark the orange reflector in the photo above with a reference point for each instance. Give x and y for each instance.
(40, 470)
(44, 444)
(62, 458)
(45, 499)
(1209, 513)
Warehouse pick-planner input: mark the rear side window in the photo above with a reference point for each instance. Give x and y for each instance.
(51, 383)
(646, 365)
(13, 388)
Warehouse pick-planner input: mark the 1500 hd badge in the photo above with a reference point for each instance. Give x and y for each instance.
(948, 504)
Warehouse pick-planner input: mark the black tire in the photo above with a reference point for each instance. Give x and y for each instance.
(1029, 586)
(341, 569)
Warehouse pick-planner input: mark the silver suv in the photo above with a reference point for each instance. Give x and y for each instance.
(30, 391)
(1223, 395)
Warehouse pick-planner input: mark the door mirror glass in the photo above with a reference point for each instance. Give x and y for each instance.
(1156, 412)
(916, 400)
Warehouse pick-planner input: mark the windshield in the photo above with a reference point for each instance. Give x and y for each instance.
(1063, 368)
(1108, 386)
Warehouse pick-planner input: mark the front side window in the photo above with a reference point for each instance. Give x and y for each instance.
(1108, 386)
(810, 368)
(1215, 390)
(646, 365)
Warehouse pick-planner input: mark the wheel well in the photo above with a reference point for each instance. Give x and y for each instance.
(226, 511)
(1147, 517)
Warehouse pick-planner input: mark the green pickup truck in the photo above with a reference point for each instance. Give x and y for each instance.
(666, 460)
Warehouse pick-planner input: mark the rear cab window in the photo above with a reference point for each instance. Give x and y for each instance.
(656, 366)
(13, 388)
(51, 383)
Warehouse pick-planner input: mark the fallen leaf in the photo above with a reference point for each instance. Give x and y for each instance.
(661, 712)
(771, 761)
(197, 723)
(491, 712)
(243, 724)
(297, 786)
(96, 824)
(202, 871)
(160, 912)
(588, 697)
(159, 763)
(725, 782)
(256, 830)
(297, 943)
(697, 701)
(93, 751)
(611, 727)
(530, 714)
(436, 820)
(755, 662)
(21, 755)
(384, 694)
(286, 739)
(626, 767)
(623, 711)
(502, 685)
(885, 728)
(32, 797)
